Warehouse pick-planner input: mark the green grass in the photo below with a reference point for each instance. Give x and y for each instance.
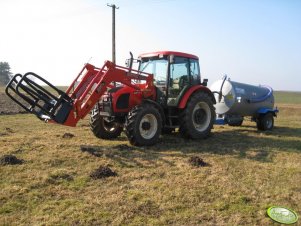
(248, 172)
(287, 97)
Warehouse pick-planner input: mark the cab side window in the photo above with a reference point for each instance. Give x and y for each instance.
(179, 72)
(179, 79)
(194, 72)
(160, 70)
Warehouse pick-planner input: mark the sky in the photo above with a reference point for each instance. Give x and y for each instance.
(252, 41)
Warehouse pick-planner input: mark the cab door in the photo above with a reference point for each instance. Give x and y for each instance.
(179, 79)
(183, 73)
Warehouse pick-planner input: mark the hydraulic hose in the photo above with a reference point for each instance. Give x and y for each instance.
(220, 94)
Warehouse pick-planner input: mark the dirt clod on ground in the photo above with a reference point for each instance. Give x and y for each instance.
(68, 135)
(91, 150)
(9, 130)
(10, 160)
(197, 161)
(102, 172)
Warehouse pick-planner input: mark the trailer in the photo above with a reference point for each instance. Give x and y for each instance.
(236, 101)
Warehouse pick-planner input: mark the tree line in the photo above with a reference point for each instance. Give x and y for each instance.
(5, 73)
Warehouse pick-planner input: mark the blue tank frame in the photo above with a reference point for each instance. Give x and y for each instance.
(221, 121)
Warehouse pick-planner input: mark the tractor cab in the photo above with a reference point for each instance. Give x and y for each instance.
(174, 73)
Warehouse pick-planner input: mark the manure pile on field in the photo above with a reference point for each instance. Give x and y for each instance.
(197, 161)
(68, 135)
(10, 160)
(102, 172)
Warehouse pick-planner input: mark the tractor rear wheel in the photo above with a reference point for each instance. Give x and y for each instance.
(198, 117)
(102, 128)
(143, 125)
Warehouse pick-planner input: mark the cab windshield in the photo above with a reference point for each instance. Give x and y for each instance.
(157, 67)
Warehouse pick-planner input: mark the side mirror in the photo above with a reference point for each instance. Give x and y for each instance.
(205, 81)
(127, 62)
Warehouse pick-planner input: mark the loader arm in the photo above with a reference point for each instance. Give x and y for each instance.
(67, 108)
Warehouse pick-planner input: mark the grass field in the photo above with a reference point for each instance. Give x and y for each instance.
(288, 97)
(248, 171)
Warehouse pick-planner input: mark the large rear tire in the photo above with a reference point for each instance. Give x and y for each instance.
(143, 125)
(102, 128)
(197, 119)
(265, 122)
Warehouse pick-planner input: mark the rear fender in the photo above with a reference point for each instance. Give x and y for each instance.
(192, 90)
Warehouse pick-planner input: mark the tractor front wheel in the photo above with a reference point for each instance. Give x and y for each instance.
(103, 128)
(143, 125)
(198, 117)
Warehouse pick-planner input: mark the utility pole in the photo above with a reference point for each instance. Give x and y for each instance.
(113, 6)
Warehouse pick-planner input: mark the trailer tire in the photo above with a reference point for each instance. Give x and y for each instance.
(167, 131)
(238, 123)
(265, 122)
(102, 128)
(196, 120)
(143, 125)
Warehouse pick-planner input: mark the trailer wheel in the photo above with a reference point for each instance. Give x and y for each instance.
(197, 119)
(265, 122)
(167, 131)
(102, 128)
(238, 123)
(143, 125)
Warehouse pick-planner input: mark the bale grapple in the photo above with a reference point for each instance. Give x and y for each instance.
(54, 105)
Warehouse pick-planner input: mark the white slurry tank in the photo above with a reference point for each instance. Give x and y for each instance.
(235, 101)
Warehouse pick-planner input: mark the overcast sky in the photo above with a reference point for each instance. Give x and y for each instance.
(252, 41)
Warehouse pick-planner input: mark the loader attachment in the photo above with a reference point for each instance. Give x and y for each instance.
(39, 97)
(50, 104)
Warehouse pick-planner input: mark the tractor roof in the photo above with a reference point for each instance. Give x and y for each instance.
(165, 53)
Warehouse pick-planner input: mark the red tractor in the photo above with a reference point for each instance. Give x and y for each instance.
(165, 93)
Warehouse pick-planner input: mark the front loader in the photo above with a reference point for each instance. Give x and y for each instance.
(165, 93)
